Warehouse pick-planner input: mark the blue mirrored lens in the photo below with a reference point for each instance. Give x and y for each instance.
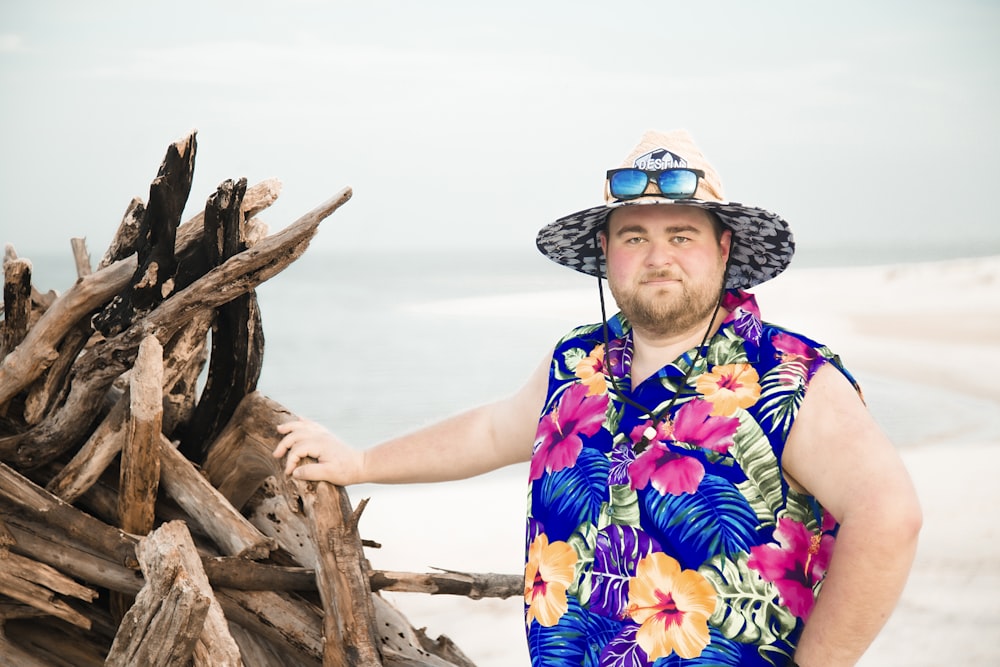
(678, 183)
(628, 184)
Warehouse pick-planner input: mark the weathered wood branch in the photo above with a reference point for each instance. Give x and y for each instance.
(140, 468)
(216, 646)
(99, 365)
(257, 198)
(237, 337)
(124, 242)
(153, 280)
(96, 454)
(16, 304)
(29, 360)
(81, 257)
(19, 496)
(49, 642)
(447, 582)
(208, 508)
(38, 350)
(341, 578)
(240, 458)
(279, 616)
(262, 651)
(241, 574)
(38, 540)
(6, 537)
(49, 389)
(247, 575)
(236, 276)
(38, 586)
(15, 655)
(170, 612)
(183, 359)
(404, 646)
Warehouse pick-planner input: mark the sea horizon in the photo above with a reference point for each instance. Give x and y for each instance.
(54, 267)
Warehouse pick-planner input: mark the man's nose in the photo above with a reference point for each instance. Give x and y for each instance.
(660, 253)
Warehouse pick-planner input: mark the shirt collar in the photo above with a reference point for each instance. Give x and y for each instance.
(743, 317)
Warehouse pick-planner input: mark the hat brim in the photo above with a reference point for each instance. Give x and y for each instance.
(762, 244)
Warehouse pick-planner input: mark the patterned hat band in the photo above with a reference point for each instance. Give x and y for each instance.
(762, 243)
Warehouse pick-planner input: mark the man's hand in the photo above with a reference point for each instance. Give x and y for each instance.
(335, 461)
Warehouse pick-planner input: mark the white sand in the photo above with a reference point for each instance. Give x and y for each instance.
(928, 323)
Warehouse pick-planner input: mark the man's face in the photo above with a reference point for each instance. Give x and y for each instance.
(665, 266)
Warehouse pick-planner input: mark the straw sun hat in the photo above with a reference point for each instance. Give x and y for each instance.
(762, 243)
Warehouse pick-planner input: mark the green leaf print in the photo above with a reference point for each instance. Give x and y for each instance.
(800, 508)
(731, 351)
(585, 330)
(583, 541)
(762, 489)
(571, 359)
(672, 383)
(781, 392)
(748, 609)
(622, 509)
(613, 416)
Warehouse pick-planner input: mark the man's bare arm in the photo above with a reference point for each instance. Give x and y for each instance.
(485, 438)
(837, 452)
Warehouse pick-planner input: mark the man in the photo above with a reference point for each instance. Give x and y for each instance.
(704, 486)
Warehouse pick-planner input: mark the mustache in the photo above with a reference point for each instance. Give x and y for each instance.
(661, 274)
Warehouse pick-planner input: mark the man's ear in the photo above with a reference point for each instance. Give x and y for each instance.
(725, 243)
(602, 238)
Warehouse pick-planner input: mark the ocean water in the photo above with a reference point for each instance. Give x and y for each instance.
(375, 344)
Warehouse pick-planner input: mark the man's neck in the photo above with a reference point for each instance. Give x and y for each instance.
(652, 351)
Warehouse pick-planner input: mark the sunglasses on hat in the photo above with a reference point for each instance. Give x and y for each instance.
(631, 183)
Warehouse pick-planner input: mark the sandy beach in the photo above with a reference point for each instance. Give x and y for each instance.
(911, 326)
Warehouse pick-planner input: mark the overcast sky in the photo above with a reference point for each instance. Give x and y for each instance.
(464, 124)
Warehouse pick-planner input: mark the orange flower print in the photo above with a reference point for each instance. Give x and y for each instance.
(672, 607)
(729, 387)
(547, 575)
(590, 370)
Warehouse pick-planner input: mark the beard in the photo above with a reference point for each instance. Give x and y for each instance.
(670, 311)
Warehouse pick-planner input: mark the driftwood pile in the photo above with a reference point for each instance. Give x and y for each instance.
(144, 521)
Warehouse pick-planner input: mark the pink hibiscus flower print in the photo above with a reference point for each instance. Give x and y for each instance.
(695, 425)
(795, 564)
(557, 441)
(668, 472)
(791, 350)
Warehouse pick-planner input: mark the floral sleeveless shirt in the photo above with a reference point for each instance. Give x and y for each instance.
(679, 541)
